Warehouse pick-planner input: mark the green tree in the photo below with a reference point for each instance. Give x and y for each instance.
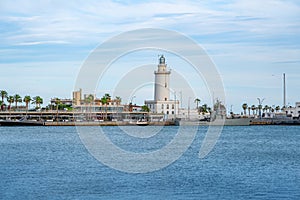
(37, 100)
(265, 108)
(270, 109)
(253, 108)
(145, 108)
(57, 103)
(3, 95)
(277, 108)
(105, 100)
(18, 99)
(197, 101)
(88, 101)
(204, 109)
(27, 100)
(10, 100)
(259, 107)
(245, 106)
(107, 96)
(118, 99)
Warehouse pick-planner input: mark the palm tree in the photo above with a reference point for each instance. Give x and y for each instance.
(37, 100)
(89, 100)
(104, 100)
(270, 109)
(27, 100)
(10, 100)
(259, 107)
(3, 95)
(118, 100)
(197, 101)
(277, 108)
(265, 108)
(203, 109)
(245, 106)
(2, 105)
(253, 108)
(107, 96)
(18, 99)
(57, 103)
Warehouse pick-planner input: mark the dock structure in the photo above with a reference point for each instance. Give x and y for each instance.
(93, 118)
(62, 116)
(84, 118)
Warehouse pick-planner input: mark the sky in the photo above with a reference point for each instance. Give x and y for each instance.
(43, 45)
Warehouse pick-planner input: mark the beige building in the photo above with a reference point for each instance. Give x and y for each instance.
(77, 95)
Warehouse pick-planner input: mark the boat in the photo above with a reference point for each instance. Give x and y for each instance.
(21, 123)
(217, 122)
(142, 122)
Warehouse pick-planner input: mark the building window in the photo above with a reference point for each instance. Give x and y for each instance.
(166, 99)
(167, 112)
(162, 106)
(167, 106)
(173, 106)
(172, 112)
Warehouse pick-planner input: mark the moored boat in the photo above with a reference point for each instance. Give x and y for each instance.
(21, 123)
(142, 123)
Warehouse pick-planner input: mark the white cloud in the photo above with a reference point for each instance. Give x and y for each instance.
(239, 35)
(80, 22)
(41, 42)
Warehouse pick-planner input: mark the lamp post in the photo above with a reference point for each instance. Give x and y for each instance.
(132, 98)
(130, 104)
(189, 108)
(175, 105)
(260, 101)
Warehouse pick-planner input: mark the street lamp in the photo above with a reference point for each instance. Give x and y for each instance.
(189, 108)
(132, 99)
(260, 101)
(175, 105)
(130, 104)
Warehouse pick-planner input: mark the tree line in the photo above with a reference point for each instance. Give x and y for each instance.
(16, 99)
(255, 108)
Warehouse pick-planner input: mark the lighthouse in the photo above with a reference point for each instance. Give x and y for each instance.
(162, 103)
(162, 79)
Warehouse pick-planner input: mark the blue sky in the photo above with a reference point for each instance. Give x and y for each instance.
(43, 44)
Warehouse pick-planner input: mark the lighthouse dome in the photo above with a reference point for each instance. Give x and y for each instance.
(162, 60)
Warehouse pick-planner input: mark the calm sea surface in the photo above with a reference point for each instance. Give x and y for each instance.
(255, 162)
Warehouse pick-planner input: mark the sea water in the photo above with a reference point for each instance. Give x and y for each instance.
(252, 162)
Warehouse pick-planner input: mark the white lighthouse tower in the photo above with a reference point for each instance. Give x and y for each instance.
(162, 104)
(161, 90)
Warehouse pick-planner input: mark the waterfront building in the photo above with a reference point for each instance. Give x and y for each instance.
(162, 104)
(67, 102)
(189, 114)
(293, 111)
